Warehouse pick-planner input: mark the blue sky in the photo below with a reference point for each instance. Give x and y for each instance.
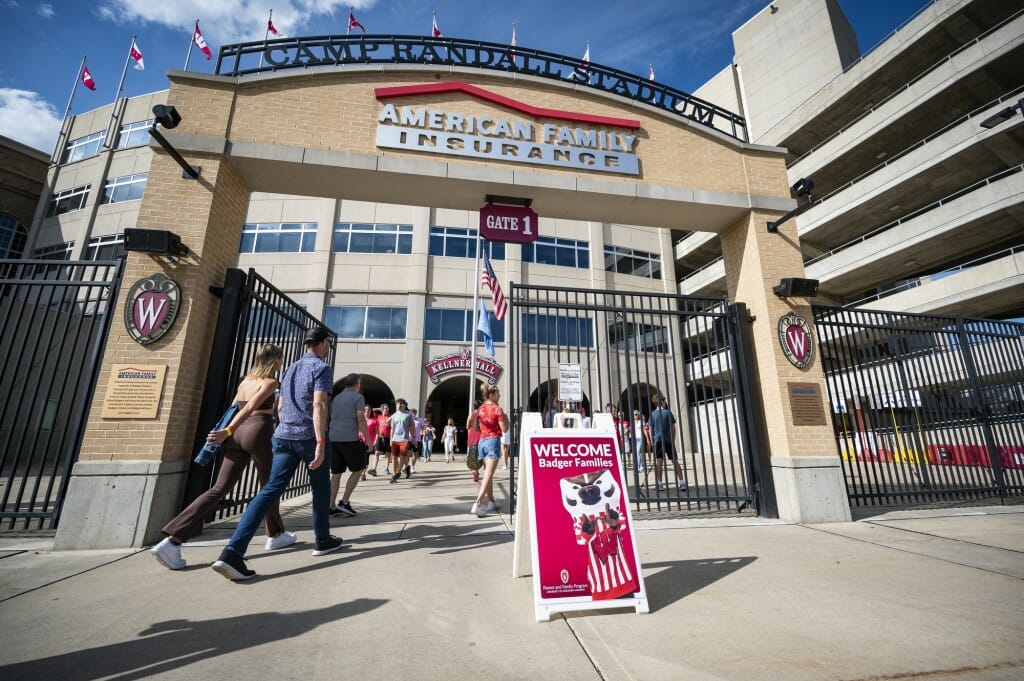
(688, 41)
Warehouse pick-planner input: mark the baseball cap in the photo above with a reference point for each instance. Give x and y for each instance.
(316, 335)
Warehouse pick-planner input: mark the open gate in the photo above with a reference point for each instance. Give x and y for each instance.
(632, 349)
(54, 319)
(926, 408)
(253, 312)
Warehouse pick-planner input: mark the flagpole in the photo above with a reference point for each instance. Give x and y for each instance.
(348, 20)
(124, 71)
(191, 41)
(266, 35)
(476, 320)
(74, 87)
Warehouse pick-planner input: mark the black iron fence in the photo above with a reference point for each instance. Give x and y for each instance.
(340, 50)
(631, 350)
(54, 321)
(253, 312)
(925, 408)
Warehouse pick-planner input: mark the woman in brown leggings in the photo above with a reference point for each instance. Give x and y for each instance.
(247, 436)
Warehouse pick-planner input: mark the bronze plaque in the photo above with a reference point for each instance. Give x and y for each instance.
(134, 391)
(805, 403)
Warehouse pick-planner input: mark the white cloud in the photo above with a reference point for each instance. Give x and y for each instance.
(45, 10)
(27, 118)
(230, 21)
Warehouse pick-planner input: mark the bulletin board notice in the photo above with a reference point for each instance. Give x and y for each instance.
(134, 391)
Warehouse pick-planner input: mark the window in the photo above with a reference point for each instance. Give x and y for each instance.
(564, 252)
(109, 247)
(457, 325)
(83, 147)
(461, 243)
(55, 252)
(366, 322)
(68, 200)
(364, 238)
(134, 134)
(127, 188)
(278, 237)
(12, 236)
(564, 331)
(638, 337)
(628, 261)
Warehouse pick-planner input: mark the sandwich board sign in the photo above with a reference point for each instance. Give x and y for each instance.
(574, 528)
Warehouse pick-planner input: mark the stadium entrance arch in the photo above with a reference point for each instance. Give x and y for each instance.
(444, 123)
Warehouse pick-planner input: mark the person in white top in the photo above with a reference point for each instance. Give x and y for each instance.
(506, 445)
(449, 441)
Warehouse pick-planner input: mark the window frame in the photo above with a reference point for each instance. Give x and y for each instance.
(306, 231)
(116, 187)
(580, 252)
(80, 142)
(53, 206)
(449, 237)
(652, 261)
(379, 232)
(393, 312)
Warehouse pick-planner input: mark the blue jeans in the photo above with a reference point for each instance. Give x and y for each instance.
(288, 454)
(489, 448)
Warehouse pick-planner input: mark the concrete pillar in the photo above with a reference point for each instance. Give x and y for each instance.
(806, 469)
(130, 474)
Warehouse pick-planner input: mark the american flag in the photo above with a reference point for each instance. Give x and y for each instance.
(488, 279)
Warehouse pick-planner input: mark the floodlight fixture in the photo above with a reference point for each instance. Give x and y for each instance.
(168, 117)
(802, 187)
(795, 287)
(1003, 115)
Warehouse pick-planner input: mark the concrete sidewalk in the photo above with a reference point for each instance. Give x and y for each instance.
(423, 591)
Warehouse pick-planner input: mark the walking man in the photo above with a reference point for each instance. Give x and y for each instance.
(300, 438)
(416, 444)
(662, 424)
(348, 423)
(401, 432)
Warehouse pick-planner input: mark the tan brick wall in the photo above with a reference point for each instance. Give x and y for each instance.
(755, 261)
(21, 182)
(207, 214)
(339, 112)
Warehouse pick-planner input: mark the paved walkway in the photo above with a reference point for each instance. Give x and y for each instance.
(423, 591)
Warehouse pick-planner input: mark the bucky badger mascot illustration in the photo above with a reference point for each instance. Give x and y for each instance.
(593, 499)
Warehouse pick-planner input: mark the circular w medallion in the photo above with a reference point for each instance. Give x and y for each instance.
(796, 339)
(151, 308)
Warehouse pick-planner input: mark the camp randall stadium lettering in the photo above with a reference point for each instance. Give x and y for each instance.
(503, 139)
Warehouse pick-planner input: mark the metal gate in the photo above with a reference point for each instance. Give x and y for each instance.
(252, 313)
(926, 408)
(54, 321)
(632, 349)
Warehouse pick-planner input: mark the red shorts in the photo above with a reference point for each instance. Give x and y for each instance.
(399, 448)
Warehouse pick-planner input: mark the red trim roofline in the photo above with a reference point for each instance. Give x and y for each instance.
(488, 96)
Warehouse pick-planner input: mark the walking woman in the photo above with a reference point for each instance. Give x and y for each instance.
(491, 420)
(247, 436)
(449, 441)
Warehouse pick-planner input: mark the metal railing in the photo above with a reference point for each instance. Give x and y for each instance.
(632, 347)
(925, 408)
(341, 50)
(54, 320)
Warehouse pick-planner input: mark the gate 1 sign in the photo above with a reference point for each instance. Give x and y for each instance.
(583, 545)
(508, 223)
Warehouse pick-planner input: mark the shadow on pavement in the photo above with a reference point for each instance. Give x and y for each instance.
(672, 581)
(177, 643)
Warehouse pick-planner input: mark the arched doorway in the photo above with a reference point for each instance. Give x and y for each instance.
(450, 400)
(642, 396)
(546, 393)
(375, 391)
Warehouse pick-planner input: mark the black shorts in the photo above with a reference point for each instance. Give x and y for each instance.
(350, 456)
(414, 447)
(384, 444)
(661, 449)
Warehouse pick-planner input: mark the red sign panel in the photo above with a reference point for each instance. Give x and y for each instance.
(508, 223)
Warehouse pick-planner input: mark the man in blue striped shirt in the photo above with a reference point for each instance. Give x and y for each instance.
(301, 437)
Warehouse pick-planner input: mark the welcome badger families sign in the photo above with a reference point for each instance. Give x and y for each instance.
(576, 513)
(585, 142)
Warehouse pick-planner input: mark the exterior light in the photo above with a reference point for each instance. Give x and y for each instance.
(1003, 115)
(794, 287)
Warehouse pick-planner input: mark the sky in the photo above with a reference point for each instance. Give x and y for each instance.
(687, 41)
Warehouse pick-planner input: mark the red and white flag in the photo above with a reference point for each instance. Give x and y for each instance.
(271, 28)
(513, 43)
(435, 31)
(352, 23)
(87, 80)
(651, 76)
(490, 280)
(583, 69)
(200, 42)
(136, 54)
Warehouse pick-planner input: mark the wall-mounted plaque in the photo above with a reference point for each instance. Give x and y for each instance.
(134, 391)
(805, 404)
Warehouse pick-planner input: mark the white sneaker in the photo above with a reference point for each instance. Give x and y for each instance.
(504, 467)
(280, 541)
(493, 505)
(168, 554)
(479, 511)
(412, 469)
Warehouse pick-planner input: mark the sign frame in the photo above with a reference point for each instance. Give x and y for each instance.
(514, 216)
(570, 382)
(790, 326)
(624, 554)
(148, 326)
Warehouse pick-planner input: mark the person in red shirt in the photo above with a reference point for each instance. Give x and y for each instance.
(491, 420)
